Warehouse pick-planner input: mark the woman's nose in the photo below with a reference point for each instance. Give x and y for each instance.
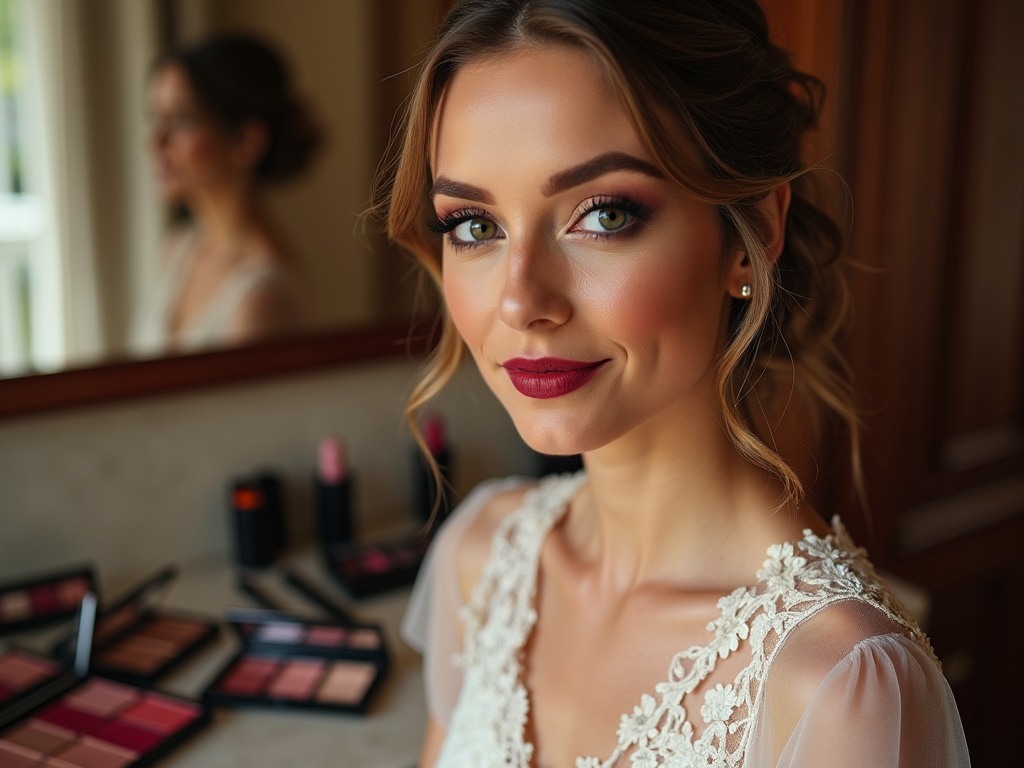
(535, 294)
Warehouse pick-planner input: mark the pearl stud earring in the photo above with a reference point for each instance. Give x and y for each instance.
(746, 291)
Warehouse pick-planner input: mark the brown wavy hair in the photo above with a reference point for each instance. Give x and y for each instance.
(691, 74)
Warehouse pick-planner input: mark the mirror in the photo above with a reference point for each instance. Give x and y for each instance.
(81, 256)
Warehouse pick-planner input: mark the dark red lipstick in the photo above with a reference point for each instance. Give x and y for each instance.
(547, 377)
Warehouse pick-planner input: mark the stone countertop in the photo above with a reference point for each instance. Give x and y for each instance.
(389, 736)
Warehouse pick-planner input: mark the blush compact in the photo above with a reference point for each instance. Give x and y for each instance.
(288, 662)
(138, 643)
(22, 672)
(366, 569)
(33, 602)
(76, 720)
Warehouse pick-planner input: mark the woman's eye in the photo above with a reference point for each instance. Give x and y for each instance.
(606, 219)
(474, 230)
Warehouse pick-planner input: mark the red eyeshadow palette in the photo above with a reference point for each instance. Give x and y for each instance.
(364, 569)
(286, 662)
(138, 644)
(101, 724)
(36, 601)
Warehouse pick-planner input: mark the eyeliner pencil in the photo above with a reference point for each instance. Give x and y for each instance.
(314, 594)
(249, 587)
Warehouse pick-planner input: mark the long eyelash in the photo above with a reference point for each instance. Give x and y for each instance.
(640, 211)
(448, 222)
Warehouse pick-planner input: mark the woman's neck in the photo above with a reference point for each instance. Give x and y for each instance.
(229, 218)
(673, 501)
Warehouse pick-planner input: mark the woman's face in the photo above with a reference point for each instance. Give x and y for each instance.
(193, 154)
(591, 291)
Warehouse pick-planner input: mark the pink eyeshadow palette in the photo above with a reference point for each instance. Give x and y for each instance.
(22, 672)
(368, 569)
(34, 602)
(136, 644)
(286, 662)
(101, 724)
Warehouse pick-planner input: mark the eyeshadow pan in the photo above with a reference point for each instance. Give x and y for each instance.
(101, 697)
(280, 632)
(328, 637)
(73, 719)
(164, 716)
(13, 756)
(178, 631)
(6, 693)
(128, 736)
(20, 671)
(347, 682)
(71, 591)
(297, 680)
(366, 639)
(15, 606)
(45, 599)
(90, 753)
(248, 676)
(40, 736)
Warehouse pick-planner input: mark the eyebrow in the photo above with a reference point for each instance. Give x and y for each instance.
(559, 182)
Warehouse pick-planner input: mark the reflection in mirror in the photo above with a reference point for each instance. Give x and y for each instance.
(94, 264)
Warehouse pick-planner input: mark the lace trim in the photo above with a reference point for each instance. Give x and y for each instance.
(793, 584)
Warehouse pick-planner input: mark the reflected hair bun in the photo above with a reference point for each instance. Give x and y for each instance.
(239, 78)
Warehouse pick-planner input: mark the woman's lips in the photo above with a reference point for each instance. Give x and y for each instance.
(547, 377)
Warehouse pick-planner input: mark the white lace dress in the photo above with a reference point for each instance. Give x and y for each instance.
(880, 698)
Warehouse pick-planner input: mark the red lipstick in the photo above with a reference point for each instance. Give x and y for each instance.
(547, 377)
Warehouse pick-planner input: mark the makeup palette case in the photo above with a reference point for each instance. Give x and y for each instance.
(33, 602)
(292, 663)
(78, 720)
(138, 643)
(367, 569)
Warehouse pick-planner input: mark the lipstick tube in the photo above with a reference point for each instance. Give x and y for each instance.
(333, 493)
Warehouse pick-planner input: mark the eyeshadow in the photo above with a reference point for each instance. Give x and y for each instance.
(248, 676)
(101, 697)
(13, 756)
(297, 680)
(366, 639)
(160, 714)
(71, 591)
(179, 631)
(15, 606)
(71, 718)
(280, 632)
(40, 736)
(19, 670)
(347, 682)
(128, 736)
(328, 637)
(42, 600)
(90, 753)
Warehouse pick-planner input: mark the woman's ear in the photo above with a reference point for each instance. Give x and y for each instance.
(251, 144)
(774, 210)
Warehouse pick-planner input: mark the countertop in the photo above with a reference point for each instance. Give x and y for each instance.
(389, 736)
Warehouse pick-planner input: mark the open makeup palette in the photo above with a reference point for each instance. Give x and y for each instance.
(73, 720)
(366, 569)
(30, 603)
(286, 662)
(137, 643)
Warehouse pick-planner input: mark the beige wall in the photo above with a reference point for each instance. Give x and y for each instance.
(134, 485)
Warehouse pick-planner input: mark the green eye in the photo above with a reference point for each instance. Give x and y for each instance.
(605, 220)
(475, 229)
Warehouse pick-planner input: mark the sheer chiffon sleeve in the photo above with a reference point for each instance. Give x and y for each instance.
(885, 704)
(431, 624)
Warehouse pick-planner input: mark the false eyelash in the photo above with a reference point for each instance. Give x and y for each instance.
(448, 222)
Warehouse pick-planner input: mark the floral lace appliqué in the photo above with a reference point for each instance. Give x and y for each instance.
(795, 582)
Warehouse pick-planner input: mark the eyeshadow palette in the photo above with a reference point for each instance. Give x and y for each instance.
(364, 569)
(101, 724)
(137, 644)
(286, 662)
(33, 602)
(22, 672)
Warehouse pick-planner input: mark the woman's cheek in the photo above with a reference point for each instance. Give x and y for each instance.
(464, 304)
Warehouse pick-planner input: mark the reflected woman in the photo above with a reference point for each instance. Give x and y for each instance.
(226, 124)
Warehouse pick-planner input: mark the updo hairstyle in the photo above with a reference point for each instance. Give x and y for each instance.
(239, 78)
(723, 112)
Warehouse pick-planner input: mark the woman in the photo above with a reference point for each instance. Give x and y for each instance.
(226, 124)
(611, 197)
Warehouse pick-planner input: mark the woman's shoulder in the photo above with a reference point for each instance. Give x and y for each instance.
(470, 529)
